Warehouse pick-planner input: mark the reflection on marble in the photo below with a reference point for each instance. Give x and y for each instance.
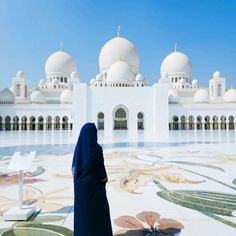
(183, 186)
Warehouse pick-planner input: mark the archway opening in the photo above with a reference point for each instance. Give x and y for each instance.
(183, 124)
(40, 123)
(199, 123)
(15, 123)
(140, 122)
(56, 123)
(191, 123)
(231, 122)
(48, 123)
(100, 121)
(175, 123)
(65, 123)
(24, 123)
(32, 123)
(120, 119)
(8, 123)
(207, 124)
(223, 122)
(215, 123)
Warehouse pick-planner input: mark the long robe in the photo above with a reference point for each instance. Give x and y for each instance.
(91, 209)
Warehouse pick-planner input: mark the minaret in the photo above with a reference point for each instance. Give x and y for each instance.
(20, 88)
(217, 86)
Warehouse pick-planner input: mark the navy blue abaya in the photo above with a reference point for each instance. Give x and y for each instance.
(91, 209)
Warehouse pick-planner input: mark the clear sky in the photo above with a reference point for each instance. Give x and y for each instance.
(203, 29)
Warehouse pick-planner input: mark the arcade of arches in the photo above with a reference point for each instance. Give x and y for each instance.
(202, 123)
(35, 123)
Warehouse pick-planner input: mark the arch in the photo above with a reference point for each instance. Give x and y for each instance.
(120, 118)
(40, 123)
(175, 122)
(48, 123)
(32, 123)
(140, 121)
(199, 123)
(231, 122)
(15, 123)
(57, 122)
(191, 124)
(18, 90)
(219, 89)
(215, 124)
(23, 123)
(207, 124)
(7, 123)
(183, 124)
(65, 122)
(1, 126)
(223, 122)
(100, 121)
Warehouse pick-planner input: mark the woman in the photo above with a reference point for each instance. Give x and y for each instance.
(91, 209)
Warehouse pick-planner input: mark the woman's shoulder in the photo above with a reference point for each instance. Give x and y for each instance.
(99, 149)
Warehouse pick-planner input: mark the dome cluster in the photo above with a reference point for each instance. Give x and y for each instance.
(60, 70)
(119, 65)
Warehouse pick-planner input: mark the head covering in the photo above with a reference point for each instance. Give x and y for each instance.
(85, 150)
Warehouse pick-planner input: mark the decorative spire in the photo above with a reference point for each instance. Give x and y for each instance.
(175, 49)
(61, 47)
(118, 31)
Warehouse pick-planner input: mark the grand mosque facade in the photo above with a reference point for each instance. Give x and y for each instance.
(118, 97)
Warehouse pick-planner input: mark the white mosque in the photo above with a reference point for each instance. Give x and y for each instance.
(118, 97)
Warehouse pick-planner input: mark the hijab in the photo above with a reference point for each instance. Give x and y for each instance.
(85, 150)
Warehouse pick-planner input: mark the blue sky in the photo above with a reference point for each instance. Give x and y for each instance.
(31, 30)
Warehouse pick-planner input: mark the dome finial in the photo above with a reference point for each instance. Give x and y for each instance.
(175, 49)
(118, 32)
(61, 47)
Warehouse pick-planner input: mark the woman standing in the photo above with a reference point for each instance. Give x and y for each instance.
(91, 209)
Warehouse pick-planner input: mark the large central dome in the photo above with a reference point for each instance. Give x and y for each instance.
(119, 49)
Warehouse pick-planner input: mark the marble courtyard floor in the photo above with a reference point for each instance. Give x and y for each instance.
(185, 186)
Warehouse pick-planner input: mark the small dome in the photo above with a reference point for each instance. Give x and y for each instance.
(7, 96)
(194, 82)
(201, 96)
(182, 81)
(66, 96)
(20, 74)
(164, 75)
(92, 81)
(173, 96)
(116, 49)
(74, 75)
(99, 77)
(176, 62)
(60, 62)
(216, 75)
(120, 72)
(41, 82)
(230, 96)
(139, 77)
(37, 96)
